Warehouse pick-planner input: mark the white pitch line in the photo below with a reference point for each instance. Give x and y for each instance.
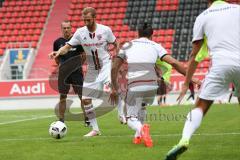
(29, 119)
(176, 135)
(120, 136)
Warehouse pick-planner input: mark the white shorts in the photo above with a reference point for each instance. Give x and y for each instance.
(217, 81)
(95, 81)
(138, 95)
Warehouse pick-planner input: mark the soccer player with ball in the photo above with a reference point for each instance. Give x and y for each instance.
(94, 39)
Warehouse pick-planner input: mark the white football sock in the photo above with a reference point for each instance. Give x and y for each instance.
(120, 106)
(142, 114)
(137, 134)
(194, 119)
(94, 124)
(135, 124)
(90, 113)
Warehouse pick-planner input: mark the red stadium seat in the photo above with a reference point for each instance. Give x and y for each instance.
(15, 32)
(19, 3)
(34, 3)
(39, 25)
(8, 15)
(14, 14)
(12, 20)
(167, 45)
(17, 26)
(24, 8)
(21, 14)
(31, 8)
(20, 38)
(23, 32)
(1, 33)
(34, 44)
(27, 38)
(3, 45)
(1, 52)
(44, 13)
(19, 20)
(38, 8)
(169, 39)
(5, 39)
(8, 32)
(72, 7)
(27, 20)
(36, 14)
(3, 9)
(7, 3)
(37, 32)
(17, 9)
(10, 26)
(74, 1)
(12, 39)
(10, 9)
(1, 15)
(5, 21)
(35, 38)
(169, 32)
(42, 19)
(3, 26)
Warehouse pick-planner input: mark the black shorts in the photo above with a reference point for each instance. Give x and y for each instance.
(75, 79)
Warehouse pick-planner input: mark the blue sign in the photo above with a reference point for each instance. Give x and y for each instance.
(18, 56)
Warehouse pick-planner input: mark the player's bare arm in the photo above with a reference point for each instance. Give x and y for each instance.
(175, 64)
(192, 65)
(116, 46)
(83, 57)
(57, 61)
(63, 50)
(117, 62)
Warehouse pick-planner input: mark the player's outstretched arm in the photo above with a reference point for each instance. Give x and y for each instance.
(63, 50)
(192, 65)
(175, 64)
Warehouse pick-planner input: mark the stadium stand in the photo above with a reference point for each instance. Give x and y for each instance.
(23, 21)
(43, 67)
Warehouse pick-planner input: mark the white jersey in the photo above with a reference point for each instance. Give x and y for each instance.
(142, 50)
(94, 44)
(221, 25)
(141, 55)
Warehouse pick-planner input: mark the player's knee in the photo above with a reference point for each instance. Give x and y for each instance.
(86, 101)
(90, 112)
(63, 97)
(132, 118)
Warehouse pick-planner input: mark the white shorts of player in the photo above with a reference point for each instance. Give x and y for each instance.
(217, 82)
(95, 80)
(137, 95)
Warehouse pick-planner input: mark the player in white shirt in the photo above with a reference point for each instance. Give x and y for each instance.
(220, 24)
(94, 39)
(141, 55)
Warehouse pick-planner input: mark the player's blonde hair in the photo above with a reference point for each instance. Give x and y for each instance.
(87, 10)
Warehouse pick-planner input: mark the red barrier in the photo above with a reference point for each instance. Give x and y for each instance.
(26, 88)
(40, 88)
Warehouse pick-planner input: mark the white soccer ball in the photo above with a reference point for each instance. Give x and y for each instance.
(58, 129)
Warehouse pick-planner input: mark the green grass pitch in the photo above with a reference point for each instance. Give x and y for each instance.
(24, 136)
